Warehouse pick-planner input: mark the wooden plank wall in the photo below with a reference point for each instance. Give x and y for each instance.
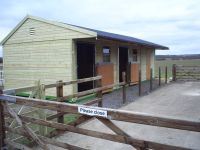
(46, 55)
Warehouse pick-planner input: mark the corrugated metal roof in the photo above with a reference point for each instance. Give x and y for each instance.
(124, 38)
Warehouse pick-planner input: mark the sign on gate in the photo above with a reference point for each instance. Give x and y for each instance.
(92, 112)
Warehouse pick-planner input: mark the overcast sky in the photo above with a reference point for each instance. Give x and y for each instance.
(173, 23)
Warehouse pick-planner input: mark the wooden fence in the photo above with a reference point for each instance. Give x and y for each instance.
(104, 115)
(62, 109)
(85, 113)
(153, 79)
(98, 90)
(186, 73)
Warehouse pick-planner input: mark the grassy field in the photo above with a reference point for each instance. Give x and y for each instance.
(169, 63)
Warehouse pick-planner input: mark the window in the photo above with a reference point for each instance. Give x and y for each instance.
(106, 54)
(134, 55)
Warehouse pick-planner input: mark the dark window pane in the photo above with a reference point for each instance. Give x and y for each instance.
(134, 55)
(106, 54)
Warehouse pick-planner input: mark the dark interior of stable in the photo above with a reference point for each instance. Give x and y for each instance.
(85, 64)
(123, 61)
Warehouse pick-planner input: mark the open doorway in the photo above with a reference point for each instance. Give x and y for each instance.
(123, 61)
(85, 64)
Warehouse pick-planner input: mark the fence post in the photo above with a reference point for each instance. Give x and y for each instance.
(2, 126)
(174, 72)
(166, 75)
(59, 93)
(159, 76)
(140, 84)
(99, 93)
(124, 87)
(128, 73)
(151, 80)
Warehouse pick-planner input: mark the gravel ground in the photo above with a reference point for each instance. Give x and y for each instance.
(114, 99)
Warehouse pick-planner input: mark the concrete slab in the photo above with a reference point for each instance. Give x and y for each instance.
(178, 100)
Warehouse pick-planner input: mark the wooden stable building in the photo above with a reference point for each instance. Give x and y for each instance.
(50, 51)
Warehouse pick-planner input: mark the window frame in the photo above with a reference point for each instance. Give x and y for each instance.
(135, 55)
(106, 57)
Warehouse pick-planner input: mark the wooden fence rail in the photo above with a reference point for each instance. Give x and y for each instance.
(187, 73)
(53, 85)
(97, 90)
(112, 114)
(90, 91)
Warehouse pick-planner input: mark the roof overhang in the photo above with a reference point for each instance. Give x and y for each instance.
(157, 47)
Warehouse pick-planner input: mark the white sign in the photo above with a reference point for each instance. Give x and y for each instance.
(92, 112)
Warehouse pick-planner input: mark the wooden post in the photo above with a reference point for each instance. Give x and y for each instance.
(2, 126)
(128, 80)
(166, 75)
(140, 84)
(100, 93)
(59, 93)
(174, 72)
(159, 77)
(151, 80)
(124, 87)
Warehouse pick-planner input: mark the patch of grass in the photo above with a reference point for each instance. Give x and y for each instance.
(49, 129)
(79, 100)
(51, 98)
(23, 94)
(82, 99)
(70, 118)
(24, 141)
